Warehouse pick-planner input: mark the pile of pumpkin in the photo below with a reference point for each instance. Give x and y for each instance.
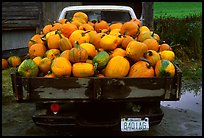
(83, 48)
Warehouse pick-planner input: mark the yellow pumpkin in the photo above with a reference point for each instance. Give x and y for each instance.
(91, 50)
(109, 42)
(118, 66)
(168, 55)
(82, 70)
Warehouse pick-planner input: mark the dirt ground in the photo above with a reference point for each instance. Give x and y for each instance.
(16, 121)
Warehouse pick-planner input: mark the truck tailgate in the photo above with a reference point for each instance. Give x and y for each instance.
(36, 89)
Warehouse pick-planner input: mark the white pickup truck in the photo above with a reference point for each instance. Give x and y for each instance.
(125, 105)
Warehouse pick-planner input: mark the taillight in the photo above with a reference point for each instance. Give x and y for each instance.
(55, 107)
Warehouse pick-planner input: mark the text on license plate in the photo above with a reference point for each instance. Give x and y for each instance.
(134, 124)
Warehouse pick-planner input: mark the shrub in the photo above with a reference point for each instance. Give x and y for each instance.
(185, 35)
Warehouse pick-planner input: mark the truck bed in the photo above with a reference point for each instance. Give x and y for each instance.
(39, 89)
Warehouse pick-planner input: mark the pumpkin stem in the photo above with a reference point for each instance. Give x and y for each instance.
(125, 32)
(43, 37)
(76, 44)
(95, 66)
(150, 53)
(83, 33)
(150, 64)
(152, 34)
(138, 32)
(34, 42)
(57, 32)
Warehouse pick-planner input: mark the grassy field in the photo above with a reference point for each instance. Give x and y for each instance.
(177, 9)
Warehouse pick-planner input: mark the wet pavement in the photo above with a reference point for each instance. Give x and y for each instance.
(189, 100)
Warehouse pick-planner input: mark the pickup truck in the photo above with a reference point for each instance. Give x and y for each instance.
(126, 105)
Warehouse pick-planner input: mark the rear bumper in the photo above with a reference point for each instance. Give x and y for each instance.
(91, 120)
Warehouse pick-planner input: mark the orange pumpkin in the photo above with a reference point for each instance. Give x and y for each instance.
(136, 21)
(45, 65)
(65, 54)
(52, 53)
(141, 69)
(91, 23)
(152, 56)
(64, 43)
(4, 64)
(14, 61)
(61, 67)
(135, 50)
(62, 21)
(163, 47)
(67, 29)
(81, 15)
(37, 50)
(82, 70)
(126, 41)
(118, 52)
(56, 26)
(152, 44)
(78, 54)
(92, 34)
(144, 35)
(47, 28)
(97, 38)
(50, 75)
(35, 39)
(118, 66)
(100, 25)
(86, 27)
(80, 36)
(53, 41)
(129, 28)
(117, 25)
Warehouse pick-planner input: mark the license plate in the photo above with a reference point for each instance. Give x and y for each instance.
(134, 124)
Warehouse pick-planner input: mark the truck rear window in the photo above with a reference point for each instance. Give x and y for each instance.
(109, 16)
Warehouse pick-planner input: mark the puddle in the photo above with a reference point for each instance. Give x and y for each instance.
(190, 100)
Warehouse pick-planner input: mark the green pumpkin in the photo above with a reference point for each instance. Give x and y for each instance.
(28, 68)
(100, 60)
(164, 68)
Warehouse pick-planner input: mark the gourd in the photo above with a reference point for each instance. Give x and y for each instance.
(100, 60)
(78, 54)
(164, 68)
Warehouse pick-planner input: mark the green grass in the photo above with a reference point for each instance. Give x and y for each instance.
(177, 9)
(6, 82)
